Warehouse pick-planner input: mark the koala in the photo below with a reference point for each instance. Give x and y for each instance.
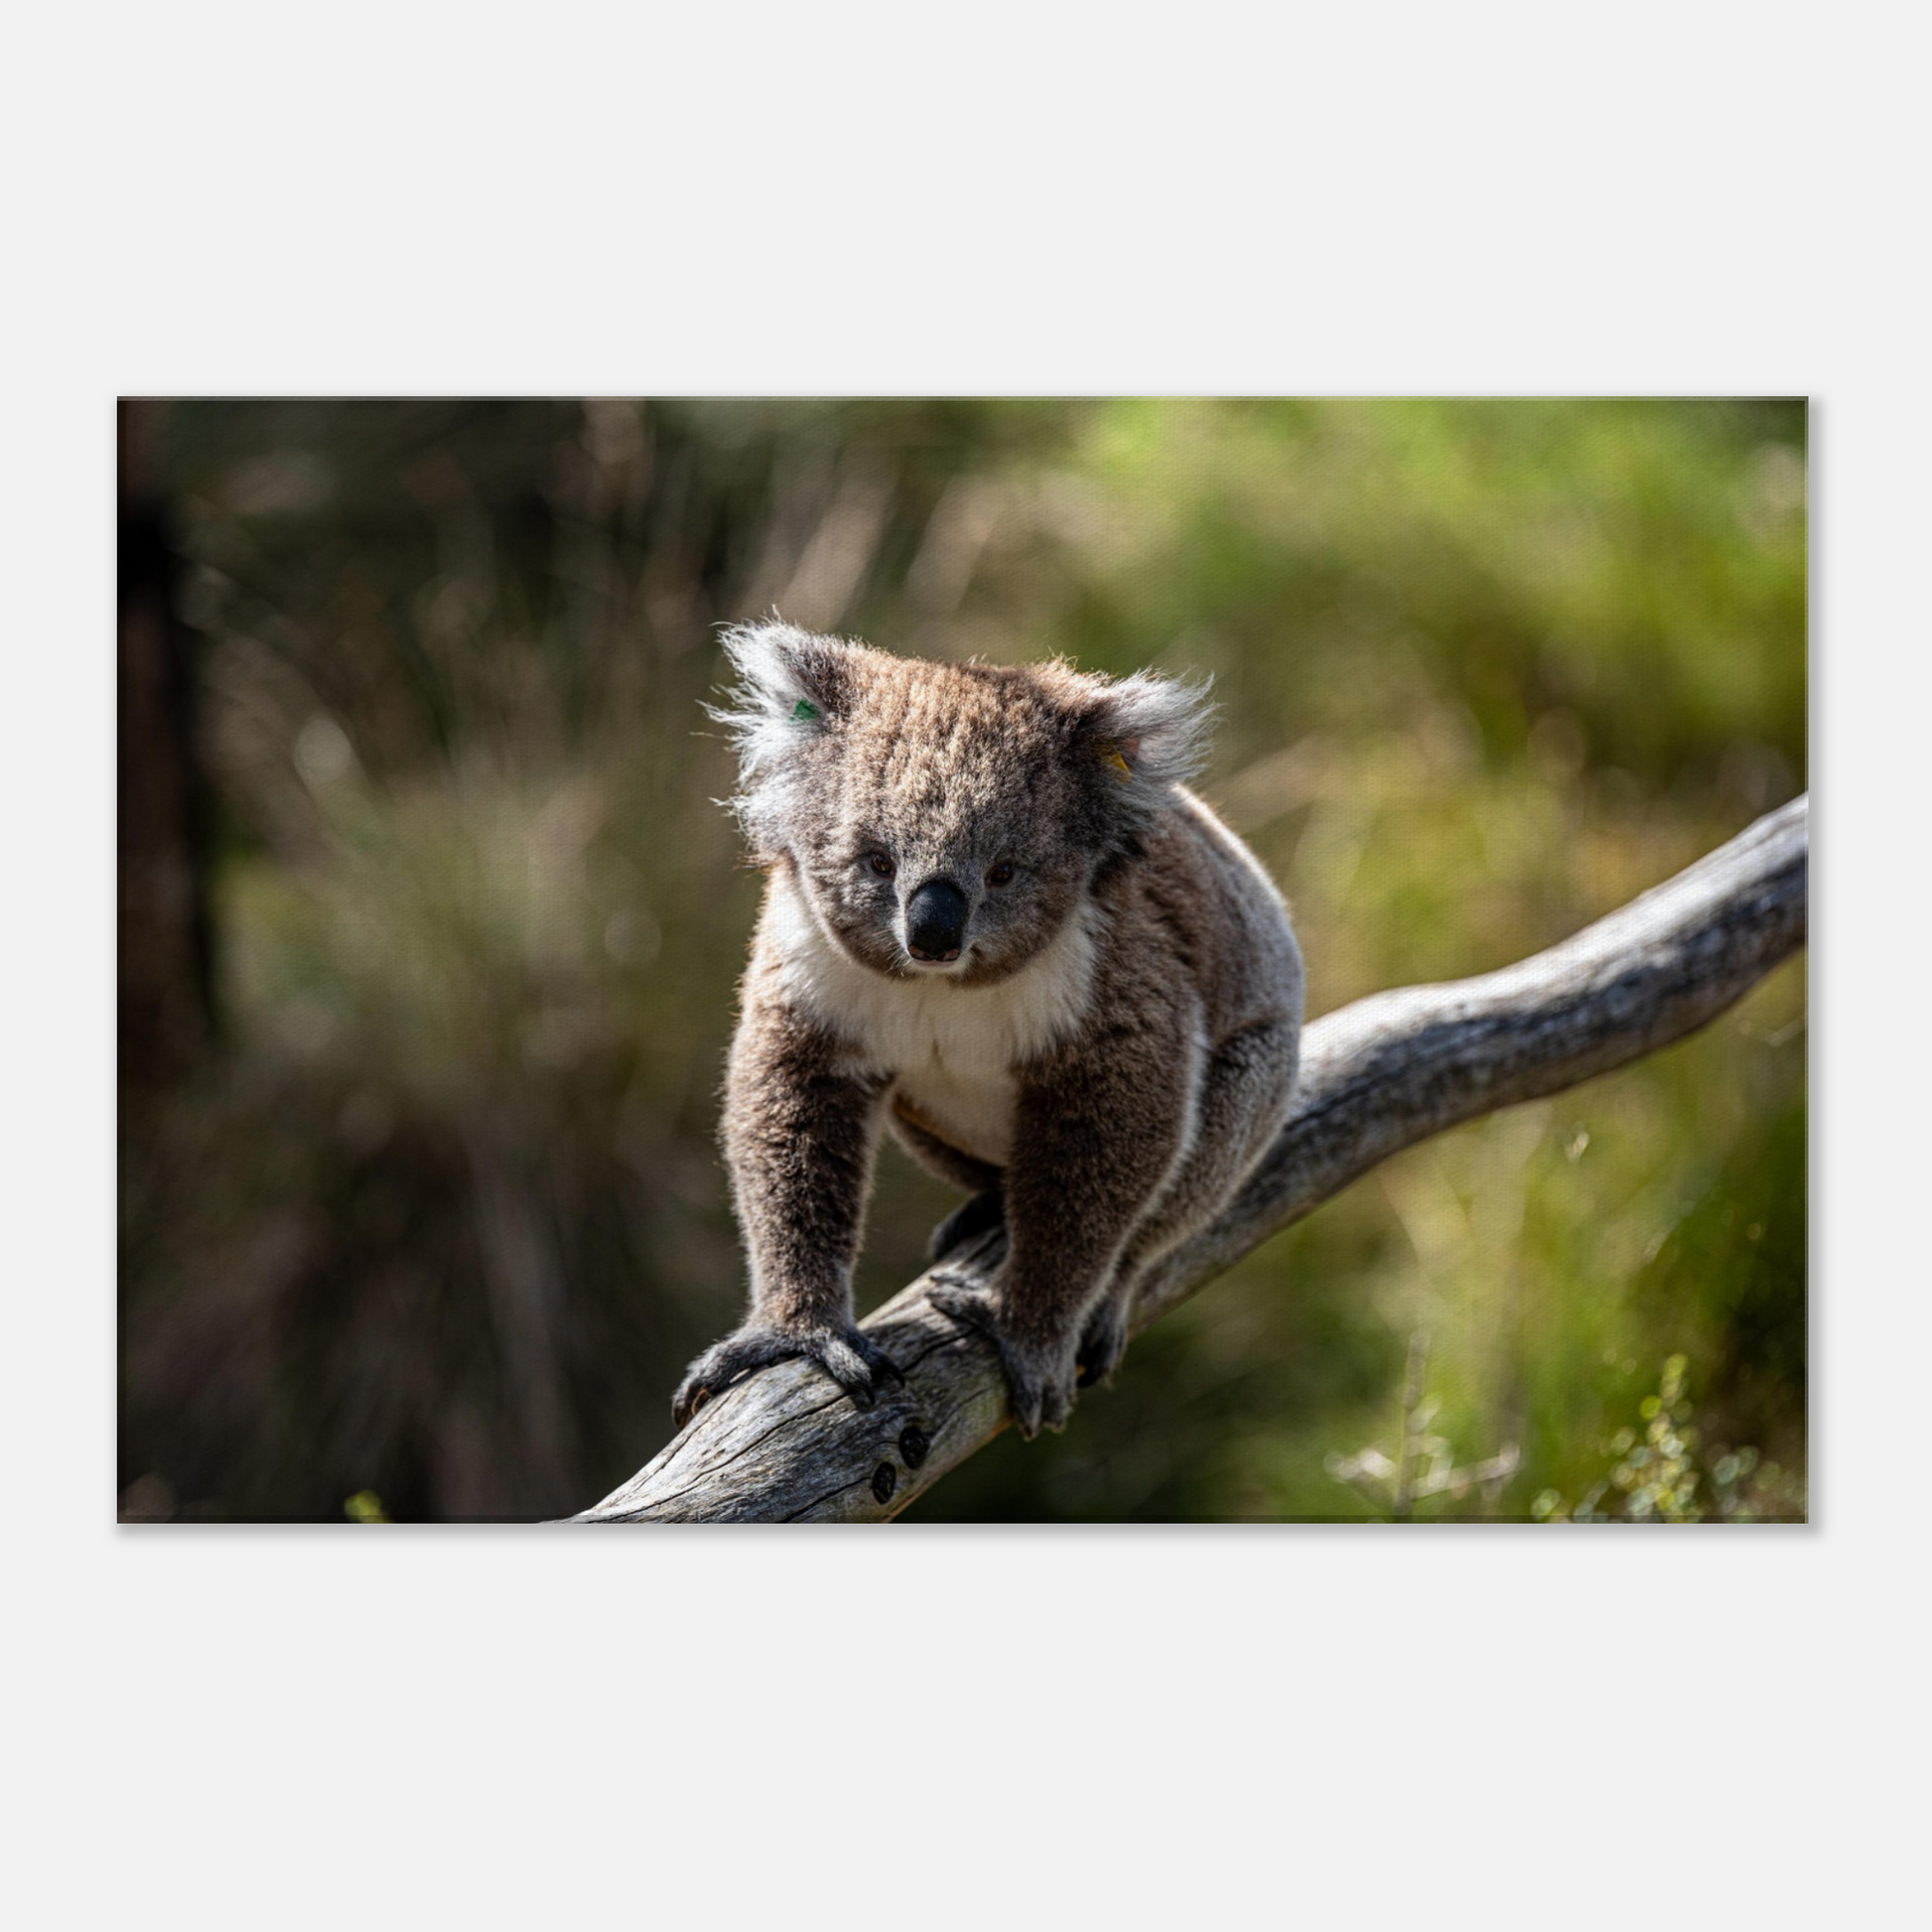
(998, 923)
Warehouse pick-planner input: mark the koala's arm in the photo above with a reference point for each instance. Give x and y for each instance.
(1099, 1129)
(800, 1136)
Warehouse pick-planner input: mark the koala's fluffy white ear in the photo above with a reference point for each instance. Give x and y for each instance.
(789, 682)
(1150, 731)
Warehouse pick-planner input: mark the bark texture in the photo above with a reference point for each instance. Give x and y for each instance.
(786, 1446)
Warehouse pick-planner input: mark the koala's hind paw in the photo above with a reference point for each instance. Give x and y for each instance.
(1039, 1381)
(985, 1211)
(847, 1354)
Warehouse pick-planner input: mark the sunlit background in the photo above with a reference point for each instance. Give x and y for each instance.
(430, 925)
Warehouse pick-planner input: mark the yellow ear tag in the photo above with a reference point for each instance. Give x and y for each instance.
(1110, 757)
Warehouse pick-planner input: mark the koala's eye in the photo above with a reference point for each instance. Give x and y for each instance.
(1002, 874)
(880, 864)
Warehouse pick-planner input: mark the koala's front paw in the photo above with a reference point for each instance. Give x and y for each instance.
(1103, 1341)
(1039, 1380)
(850, 1358)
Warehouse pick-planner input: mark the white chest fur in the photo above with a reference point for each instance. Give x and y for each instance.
(950, 1050)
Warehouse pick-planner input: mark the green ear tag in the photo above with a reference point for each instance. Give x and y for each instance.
(804, 708)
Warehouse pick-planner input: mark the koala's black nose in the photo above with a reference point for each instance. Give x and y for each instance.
(935, 921)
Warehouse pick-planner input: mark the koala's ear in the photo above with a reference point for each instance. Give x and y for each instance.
(1146, 732)
(790, 684)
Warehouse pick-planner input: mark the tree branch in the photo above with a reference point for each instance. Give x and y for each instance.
(784, 1445)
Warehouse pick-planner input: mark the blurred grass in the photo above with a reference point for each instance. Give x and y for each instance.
(441, 1217)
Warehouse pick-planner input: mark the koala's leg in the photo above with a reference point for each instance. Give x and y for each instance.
(987, 1208)
(800, 1136)
(1244, 1099)
(986, 1211)
(1096, 1133)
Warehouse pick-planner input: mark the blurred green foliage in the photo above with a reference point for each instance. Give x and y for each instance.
(439, 1216)
(1665, 1472)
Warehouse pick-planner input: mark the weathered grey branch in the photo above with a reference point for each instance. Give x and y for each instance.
(785, 1446)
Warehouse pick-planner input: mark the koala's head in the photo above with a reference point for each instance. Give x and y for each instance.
(947, 819)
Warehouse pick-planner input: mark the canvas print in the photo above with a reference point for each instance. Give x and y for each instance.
(975, 960)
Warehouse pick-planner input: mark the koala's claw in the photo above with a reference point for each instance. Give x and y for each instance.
(1039, 1386)
(848, 1355)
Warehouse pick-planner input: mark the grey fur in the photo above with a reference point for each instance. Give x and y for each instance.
(1112, 1051)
